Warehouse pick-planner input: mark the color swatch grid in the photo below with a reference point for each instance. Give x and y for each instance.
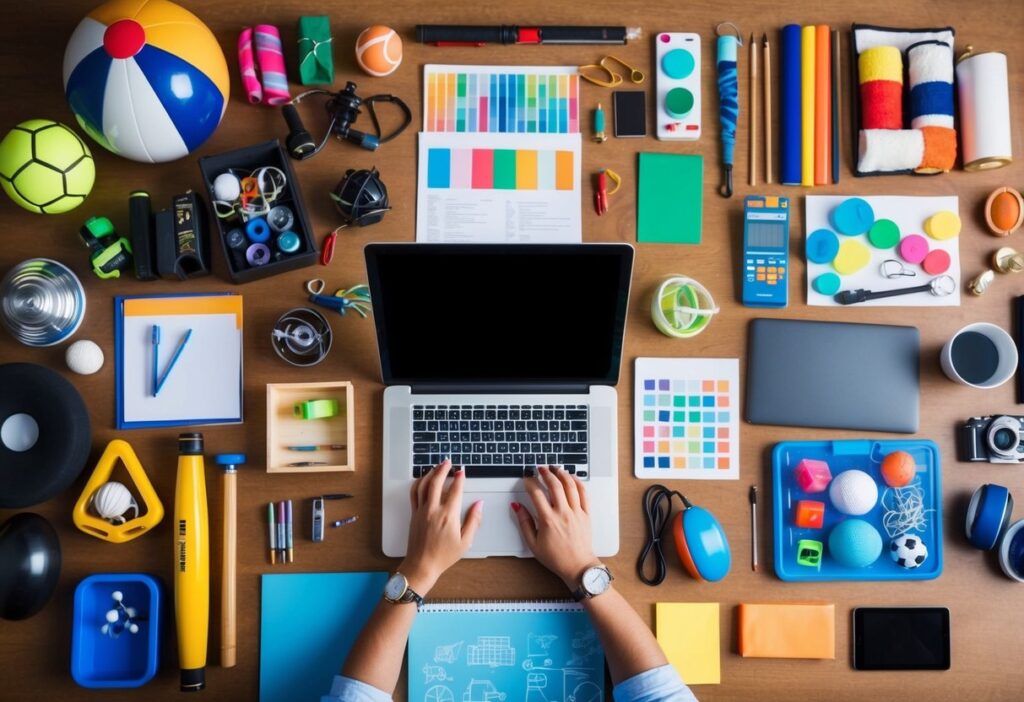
(510, 99)
(499, 169)
(687, 418)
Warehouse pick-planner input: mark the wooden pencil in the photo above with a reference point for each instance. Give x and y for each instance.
(836, 77)
(752, 152)
(767, 111)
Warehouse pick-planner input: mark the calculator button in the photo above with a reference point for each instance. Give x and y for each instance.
(760, 276)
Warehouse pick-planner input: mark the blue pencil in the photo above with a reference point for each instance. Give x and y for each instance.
(156, 354)
(174, 360)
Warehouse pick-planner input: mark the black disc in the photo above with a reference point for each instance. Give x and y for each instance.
(50, 464)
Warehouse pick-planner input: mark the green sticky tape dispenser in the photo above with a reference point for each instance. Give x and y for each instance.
(317, 409)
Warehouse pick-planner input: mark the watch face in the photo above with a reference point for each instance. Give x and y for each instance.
(596, 580)
(395, 587)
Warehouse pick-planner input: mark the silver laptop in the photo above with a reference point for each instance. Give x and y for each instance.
(503, 358)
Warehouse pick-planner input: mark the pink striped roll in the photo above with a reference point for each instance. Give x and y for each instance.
(250, 82)
(270, 56)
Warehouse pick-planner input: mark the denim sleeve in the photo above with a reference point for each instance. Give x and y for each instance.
(654, 685)
(348, 690)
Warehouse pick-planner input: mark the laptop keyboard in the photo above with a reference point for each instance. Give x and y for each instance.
(501, 441)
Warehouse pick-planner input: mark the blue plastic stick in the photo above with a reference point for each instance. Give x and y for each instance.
(789, 139)
(174, 360)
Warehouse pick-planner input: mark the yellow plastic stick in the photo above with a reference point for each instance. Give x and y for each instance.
(807, 77)
(191, 562)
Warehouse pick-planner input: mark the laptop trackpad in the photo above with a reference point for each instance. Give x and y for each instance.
(498, 535)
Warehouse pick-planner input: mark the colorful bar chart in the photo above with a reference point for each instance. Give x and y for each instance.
(501, 99)
(500, 169)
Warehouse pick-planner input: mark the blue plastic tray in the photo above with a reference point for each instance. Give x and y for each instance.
(866, 455)
(130, 660)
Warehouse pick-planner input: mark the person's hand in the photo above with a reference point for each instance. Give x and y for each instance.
(437, 535)
(559, 534)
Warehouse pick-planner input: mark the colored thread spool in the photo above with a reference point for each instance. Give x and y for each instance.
(913, 248)
(250, 81)
(880, 73)
(890, 150)
(270, 57)
(257, 254)
(852, 216)
(930, 74)
(258, 230)
(942, 225)
(827, 284)
(884, 234)
(288, 242)
(822, 246)
(280, 218)
(852, 256)
(984, 101)
(236, 239)
(682, 307)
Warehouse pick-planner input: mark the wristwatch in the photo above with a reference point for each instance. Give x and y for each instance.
(397, 591)
(594, 581)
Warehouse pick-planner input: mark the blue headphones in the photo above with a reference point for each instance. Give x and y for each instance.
(988, 515)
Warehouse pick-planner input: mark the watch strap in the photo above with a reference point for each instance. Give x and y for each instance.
(411, 595)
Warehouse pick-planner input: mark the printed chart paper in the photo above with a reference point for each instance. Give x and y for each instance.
(510, 99)
(909, 214)
(499, 188)
(687, 418)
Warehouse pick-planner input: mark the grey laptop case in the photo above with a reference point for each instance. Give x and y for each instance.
(834, 375)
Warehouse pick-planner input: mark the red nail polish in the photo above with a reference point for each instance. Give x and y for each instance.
(516, 506)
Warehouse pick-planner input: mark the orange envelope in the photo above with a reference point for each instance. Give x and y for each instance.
(787, 630)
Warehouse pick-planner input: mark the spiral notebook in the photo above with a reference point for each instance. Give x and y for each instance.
(505, 652)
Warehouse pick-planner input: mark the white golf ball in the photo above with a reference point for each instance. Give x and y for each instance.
(84, 357)
(226, 187)
(853, 492)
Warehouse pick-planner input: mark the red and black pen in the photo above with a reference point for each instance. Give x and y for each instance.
(460, 35)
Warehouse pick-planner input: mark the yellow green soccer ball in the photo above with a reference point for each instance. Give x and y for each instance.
(45, 167)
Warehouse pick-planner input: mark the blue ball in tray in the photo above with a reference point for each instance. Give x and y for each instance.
(855, 543)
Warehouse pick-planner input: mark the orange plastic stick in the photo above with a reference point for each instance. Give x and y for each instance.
(822, 107)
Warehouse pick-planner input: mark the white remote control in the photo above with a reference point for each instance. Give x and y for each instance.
(677, 55)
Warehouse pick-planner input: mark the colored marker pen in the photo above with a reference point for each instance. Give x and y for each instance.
(288, 533)
(272, 528)
(599, 134)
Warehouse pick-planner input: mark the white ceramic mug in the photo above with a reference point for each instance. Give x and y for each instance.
(1005, 347)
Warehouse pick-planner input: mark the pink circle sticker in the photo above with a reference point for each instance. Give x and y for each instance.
(936, 263)
(914, 248)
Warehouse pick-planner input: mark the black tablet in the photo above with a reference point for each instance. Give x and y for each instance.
(901, 638)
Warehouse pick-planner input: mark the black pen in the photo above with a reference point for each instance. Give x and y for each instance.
(461, 35)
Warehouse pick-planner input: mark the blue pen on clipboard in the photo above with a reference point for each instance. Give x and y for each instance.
(156, 356)
(174, 359)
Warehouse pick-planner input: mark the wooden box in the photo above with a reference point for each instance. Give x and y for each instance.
(285, 429)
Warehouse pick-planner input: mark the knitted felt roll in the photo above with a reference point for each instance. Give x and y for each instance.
(880, 73)
(939, 150)
(930, 72)
(889, 150)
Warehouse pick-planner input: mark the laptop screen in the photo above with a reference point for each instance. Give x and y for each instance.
(496, 314)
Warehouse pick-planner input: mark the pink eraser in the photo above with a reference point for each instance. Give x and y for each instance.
(812, 475)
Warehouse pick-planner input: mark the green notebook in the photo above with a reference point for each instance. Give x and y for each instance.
(670, 201)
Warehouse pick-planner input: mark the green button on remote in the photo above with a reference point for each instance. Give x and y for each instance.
(678, 102)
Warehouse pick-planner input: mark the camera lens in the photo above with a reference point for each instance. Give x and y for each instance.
(1004, 439)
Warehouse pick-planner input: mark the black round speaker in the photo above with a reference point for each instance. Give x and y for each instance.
(45, 434)
(29, 565)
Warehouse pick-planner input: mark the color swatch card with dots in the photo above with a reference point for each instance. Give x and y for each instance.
(883, 243)
(687, 418)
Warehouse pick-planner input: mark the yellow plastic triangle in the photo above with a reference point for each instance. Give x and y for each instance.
(118, 450)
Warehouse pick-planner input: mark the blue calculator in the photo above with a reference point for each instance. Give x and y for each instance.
(765, 251)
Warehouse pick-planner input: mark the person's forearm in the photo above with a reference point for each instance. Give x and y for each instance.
(376, 656)
(629, 646)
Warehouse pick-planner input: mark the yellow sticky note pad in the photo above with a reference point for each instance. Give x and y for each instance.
(688, 633)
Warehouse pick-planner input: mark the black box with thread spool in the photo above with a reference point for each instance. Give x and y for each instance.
(247, 160)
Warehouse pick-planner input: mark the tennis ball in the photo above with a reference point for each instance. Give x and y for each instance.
(379, 50)
(45, 167)
(898, 469)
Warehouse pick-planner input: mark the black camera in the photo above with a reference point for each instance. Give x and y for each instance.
(996, 439)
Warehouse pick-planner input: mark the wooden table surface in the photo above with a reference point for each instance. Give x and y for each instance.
(986, 617)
